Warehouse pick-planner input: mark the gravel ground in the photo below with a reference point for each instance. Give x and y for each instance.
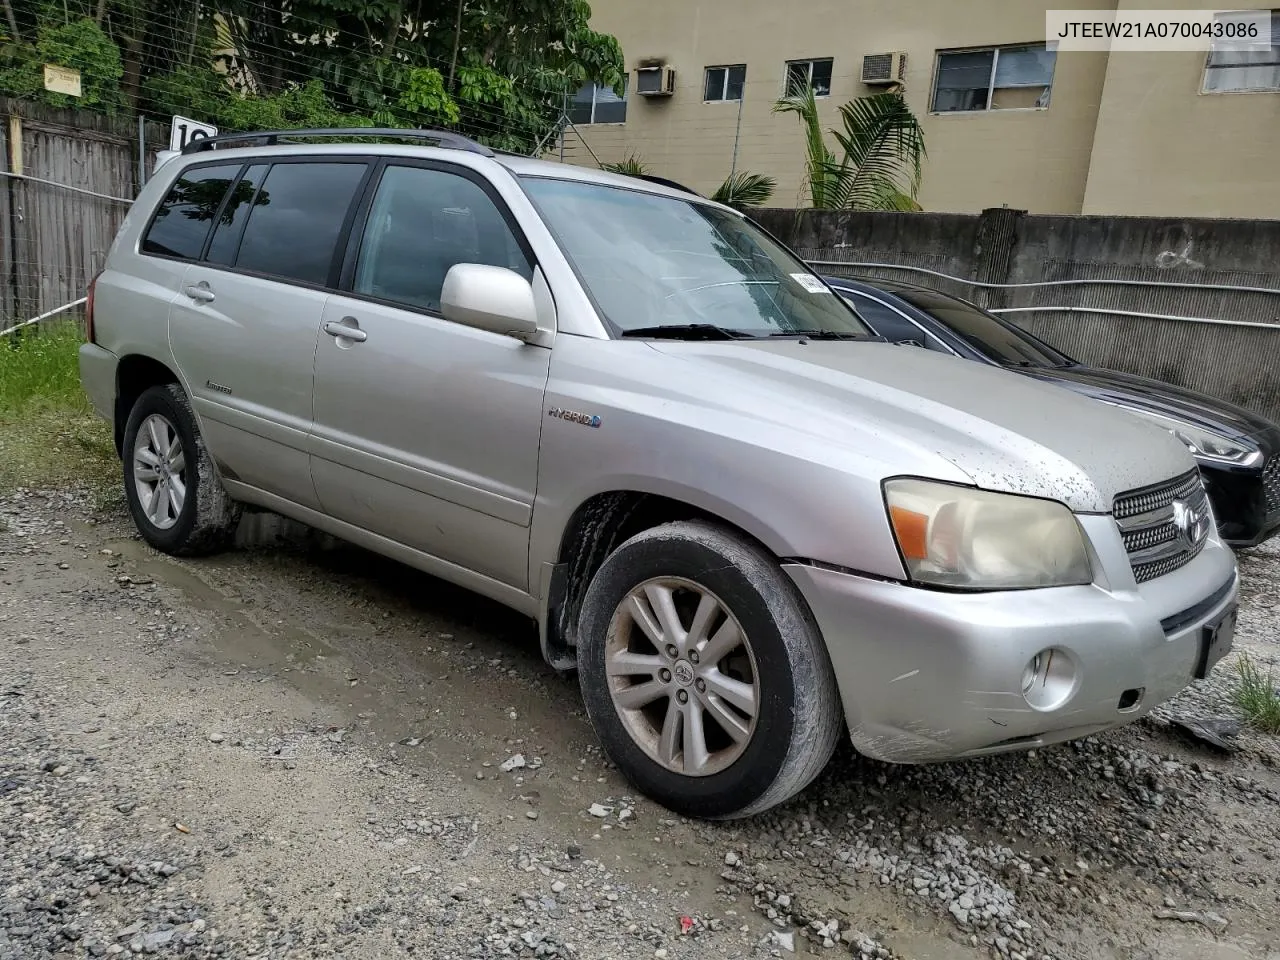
(300, 750)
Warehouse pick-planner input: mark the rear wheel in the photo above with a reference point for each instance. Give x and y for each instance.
(703, 672)
(170, 481)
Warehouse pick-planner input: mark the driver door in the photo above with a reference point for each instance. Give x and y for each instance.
(426, 431)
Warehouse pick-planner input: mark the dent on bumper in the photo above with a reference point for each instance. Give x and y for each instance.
(927, 676)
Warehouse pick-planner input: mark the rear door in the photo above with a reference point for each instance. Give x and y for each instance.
(243, 328)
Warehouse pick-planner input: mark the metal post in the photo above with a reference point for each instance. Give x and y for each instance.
(564, 115)
(733, 166)
(142, 152)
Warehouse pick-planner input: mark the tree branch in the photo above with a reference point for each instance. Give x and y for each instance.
(13, 21)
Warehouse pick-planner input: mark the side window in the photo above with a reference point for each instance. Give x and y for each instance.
(887, 322)
(227, 231)
(421, 223)
(182, 223)
(295, 219)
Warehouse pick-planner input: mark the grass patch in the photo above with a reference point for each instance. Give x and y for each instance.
(49, 433)
(1256, 695)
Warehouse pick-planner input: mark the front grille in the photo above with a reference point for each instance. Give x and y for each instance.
(1164, 526)
(1271, 484)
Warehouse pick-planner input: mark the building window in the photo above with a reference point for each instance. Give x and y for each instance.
(596, 103)
(809, 73)
(725, 83)
(1245, 71)
(998, 78)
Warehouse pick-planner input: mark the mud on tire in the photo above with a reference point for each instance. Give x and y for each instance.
(790, 724)
(206, 519)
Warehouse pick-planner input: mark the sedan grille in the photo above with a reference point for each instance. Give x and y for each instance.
(1271, 484)
(1164, 526)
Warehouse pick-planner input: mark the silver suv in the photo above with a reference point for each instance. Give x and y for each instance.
(632, 415)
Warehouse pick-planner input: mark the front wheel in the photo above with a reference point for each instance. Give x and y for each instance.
(170, 481)
(704, 674)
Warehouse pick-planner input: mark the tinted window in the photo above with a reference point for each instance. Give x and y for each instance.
(885, 320)
(296, 219)
(421, 223)
(226, 235)
(990, 336)
(183, 220)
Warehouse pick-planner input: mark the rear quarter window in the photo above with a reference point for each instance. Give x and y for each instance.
(182, 222)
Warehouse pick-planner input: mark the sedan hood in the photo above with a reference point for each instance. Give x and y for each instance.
(1197, 409)
(926, 414)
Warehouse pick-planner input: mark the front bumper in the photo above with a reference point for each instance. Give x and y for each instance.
(926, 675)
(1240, 506)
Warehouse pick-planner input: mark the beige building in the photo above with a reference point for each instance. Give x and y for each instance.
(1006, 121)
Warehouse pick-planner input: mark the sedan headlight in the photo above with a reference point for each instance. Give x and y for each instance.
(1203, 444)
(970, 539)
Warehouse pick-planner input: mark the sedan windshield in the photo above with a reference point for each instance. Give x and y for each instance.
(991, 336)
(661, 266)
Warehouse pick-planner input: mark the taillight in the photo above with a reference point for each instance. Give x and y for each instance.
(88, 311)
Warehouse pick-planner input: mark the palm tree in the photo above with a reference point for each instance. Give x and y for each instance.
(883, 150)
(744, 190)
(631, 166)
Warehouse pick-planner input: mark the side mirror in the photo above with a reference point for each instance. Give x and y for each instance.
(489, 298)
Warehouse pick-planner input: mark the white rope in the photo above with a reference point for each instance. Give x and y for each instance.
(44, 316)
(65, 186)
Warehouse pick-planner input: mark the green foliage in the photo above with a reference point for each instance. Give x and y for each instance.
(631, 166)
(1257, 695)
(424, 95)
(79, 44)
(48, 431)
(743, 190)
(883, 152)
(497, 70)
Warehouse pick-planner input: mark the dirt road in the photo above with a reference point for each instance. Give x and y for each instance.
(300, 750)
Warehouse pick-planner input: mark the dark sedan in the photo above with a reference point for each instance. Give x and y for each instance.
(1238, 451)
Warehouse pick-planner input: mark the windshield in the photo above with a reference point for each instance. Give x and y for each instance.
(1000, 341)
(652, 263)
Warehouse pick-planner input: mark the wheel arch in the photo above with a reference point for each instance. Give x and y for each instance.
(595, 528)
(135, 373)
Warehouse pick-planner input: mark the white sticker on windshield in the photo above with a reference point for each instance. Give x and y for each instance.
(810, 283)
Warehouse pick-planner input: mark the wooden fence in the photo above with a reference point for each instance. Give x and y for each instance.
(66, 180)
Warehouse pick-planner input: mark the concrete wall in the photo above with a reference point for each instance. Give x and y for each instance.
(1236, 363)
(1027, 158)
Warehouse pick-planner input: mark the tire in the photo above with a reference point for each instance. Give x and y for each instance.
(205, 518)
(787, 728)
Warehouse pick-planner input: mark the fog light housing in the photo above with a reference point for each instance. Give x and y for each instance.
(1049, 679)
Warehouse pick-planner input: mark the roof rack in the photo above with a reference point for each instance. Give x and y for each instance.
(441, 138)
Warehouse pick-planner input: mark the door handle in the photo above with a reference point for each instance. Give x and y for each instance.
(199, 292)
(346, 329)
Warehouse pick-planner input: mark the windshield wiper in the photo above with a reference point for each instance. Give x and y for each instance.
(689, 331)
(822, 335)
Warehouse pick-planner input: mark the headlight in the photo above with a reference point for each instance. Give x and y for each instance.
(1204, 444)
(971, 539)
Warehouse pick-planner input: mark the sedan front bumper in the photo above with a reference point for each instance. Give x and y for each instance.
(926, 675)
(1245, 502)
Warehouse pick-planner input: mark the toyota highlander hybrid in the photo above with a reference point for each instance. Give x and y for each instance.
(749, 524)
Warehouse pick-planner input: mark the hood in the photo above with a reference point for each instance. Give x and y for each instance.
(1197, 409)
(926, 414)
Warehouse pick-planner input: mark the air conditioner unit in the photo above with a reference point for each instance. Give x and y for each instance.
(884, 68)
(655, 81)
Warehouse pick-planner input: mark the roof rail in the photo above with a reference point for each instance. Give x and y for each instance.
(441, 138)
